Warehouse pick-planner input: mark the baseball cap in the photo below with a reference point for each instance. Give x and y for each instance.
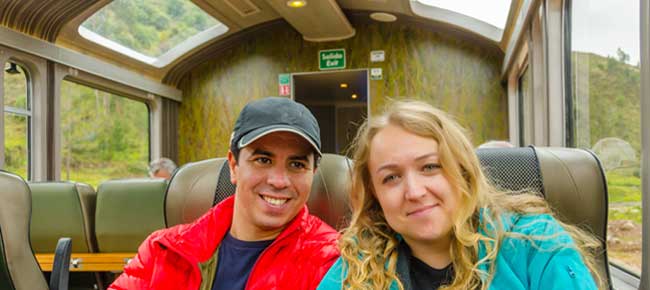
(274, 114)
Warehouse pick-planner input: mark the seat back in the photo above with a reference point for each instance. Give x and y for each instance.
(18, 267)
(63, 209)
(197, 186)
(128, 210)
(191, 191)
(571, 180)
(328, 199)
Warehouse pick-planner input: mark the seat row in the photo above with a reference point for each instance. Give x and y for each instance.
(107, 226)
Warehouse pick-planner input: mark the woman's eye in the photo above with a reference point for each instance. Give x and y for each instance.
(389, 178)
(431, 167)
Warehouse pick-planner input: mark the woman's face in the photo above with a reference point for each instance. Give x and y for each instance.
(415, 196)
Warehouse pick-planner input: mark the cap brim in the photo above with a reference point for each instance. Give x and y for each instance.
(251, 136)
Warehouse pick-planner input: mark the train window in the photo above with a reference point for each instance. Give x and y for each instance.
(154, 32)
(17, 119)
(605, 78)
(493, 12)
(103, 136)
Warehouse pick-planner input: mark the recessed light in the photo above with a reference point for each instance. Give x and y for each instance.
(344, 85)
(383, 17)
(296, 3)
(354, 96)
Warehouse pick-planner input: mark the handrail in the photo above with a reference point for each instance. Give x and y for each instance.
(89, 262)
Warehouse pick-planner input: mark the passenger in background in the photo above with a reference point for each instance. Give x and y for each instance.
(424, 217)
(496, 144)
(162, 168)
(262, 237)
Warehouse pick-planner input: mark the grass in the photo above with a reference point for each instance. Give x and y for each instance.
(632, 213)
(623, 188)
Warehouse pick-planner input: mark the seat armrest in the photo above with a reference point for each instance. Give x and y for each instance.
(61, 266)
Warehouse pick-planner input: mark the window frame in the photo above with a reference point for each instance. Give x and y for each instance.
(618, 273)
(152, 103)
(37, 150)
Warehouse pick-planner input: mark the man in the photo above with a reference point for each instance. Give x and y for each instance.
(162, 168)
(260, 238)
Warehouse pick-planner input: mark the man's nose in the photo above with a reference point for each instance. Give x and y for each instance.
(278, 177)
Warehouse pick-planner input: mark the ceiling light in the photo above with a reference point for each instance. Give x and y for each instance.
(344, 85)
(383, 17)
(354, 96)
(13, 69)
(296, 3)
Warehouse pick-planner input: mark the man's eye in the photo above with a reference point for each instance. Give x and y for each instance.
(389, 178)
(298, 165)
(431, 167)
(263, 160)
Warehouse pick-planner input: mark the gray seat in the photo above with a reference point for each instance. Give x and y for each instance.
(18, 267)
(65, 209)
(191, 191)
(128, 210)
(197, 186)
(568, 178)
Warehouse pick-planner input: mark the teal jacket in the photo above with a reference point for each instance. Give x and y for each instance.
(550, 262)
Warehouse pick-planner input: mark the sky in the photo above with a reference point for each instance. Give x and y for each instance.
(598, 26)
(603, 26)
(494, 12)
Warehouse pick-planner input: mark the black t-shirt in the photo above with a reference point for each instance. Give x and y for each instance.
(235, 262)
(424, 276)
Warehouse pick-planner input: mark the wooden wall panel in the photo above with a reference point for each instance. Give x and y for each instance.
(452, 73)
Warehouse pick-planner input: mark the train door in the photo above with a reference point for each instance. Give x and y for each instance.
(339, 100)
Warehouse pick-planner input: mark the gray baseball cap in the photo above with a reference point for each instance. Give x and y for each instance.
(274, 114)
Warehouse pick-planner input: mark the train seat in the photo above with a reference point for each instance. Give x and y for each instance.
(128, 210)
(568, 178)
(18, 266)
(64, 209)
(197, 186)
(192, 189)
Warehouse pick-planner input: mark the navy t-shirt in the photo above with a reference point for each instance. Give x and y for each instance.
(235, 262)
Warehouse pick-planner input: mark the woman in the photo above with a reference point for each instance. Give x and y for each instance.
(424, 215)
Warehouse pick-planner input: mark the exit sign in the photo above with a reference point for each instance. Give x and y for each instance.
(331, 59)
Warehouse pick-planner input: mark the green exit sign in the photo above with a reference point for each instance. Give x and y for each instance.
(331, 59)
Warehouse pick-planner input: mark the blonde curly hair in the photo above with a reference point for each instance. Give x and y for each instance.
(369, 245)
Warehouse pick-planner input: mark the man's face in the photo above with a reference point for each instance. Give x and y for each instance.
(273, 177)
(162, 173)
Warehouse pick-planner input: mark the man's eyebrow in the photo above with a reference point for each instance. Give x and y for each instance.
(299, 157)
(262, 152)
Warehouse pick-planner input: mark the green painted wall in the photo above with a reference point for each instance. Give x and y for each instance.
(454, 74)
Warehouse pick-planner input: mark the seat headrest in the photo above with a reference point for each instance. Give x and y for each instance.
(571, 180)
(197, 186)
(63, 209)
(512, 169)
(328, 199)
(191, 191)
(18, 267)
(128, 210)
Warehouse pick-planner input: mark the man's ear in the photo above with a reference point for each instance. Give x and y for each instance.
(232, 164)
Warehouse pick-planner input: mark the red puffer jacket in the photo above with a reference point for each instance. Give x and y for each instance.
(168, 259)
